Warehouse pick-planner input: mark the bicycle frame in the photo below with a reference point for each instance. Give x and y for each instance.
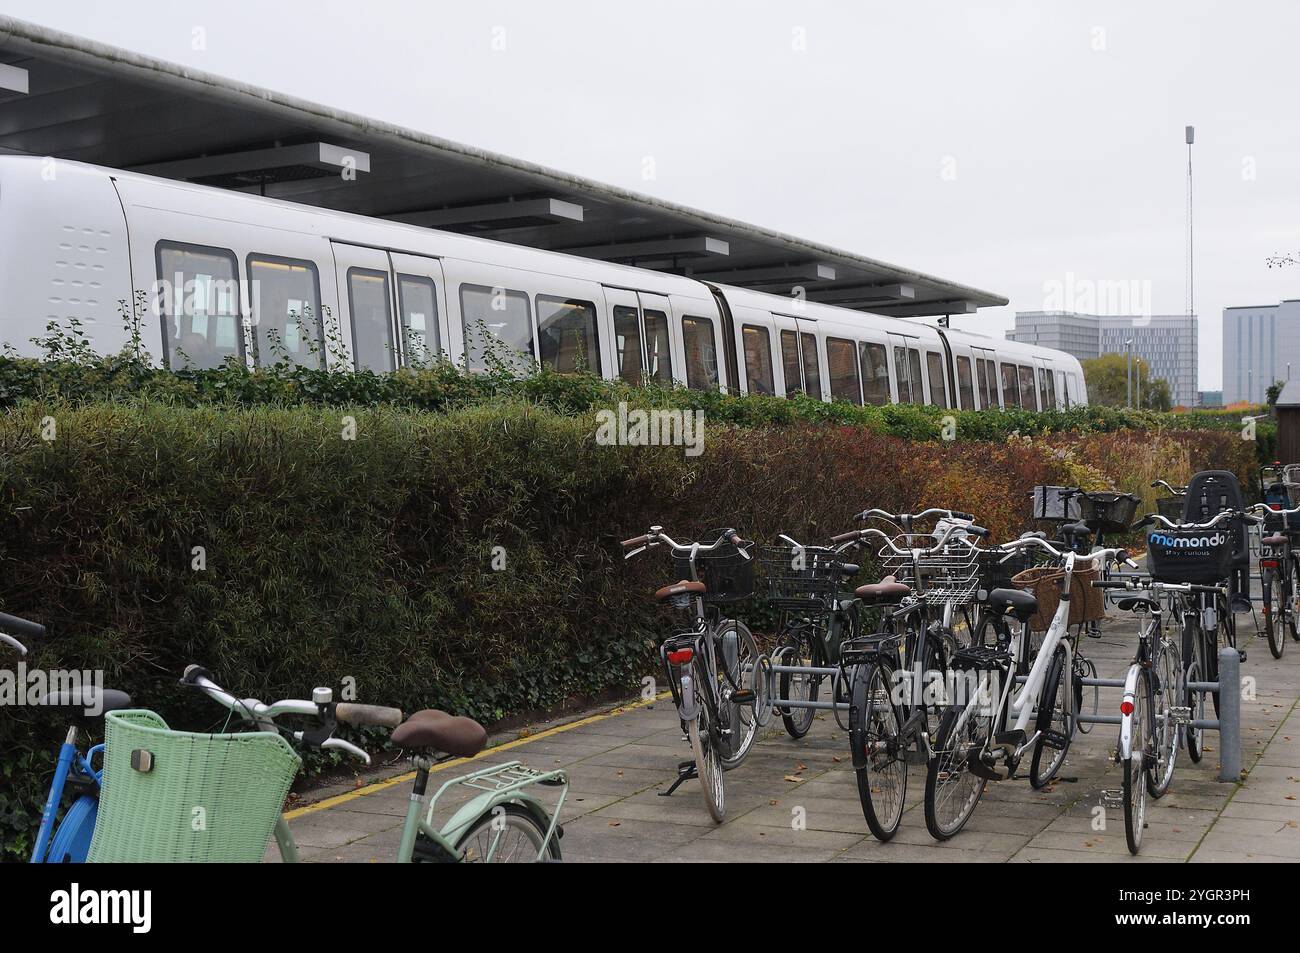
(79, 821)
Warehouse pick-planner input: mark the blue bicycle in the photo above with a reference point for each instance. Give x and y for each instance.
(68, 841)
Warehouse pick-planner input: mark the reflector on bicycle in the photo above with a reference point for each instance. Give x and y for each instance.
(681, 656)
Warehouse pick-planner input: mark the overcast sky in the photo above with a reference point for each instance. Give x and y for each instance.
(1016, 147)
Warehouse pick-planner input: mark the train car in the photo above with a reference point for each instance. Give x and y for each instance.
(232, 276)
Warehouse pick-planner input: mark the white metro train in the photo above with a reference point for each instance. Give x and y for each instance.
(261, 280)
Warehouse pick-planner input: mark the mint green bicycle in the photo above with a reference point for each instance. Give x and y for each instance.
(183, 796)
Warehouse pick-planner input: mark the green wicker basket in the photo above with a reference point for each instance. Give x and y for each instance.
(204, 798)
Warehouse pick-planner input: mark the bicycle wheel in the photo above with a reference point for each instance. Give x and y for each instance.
(1135, 766)
(801, 640)
(507, 834)
(1193, 650)
(708, 762)
(1293, 596)
(1166, 692)
(952, 790)
(874, 726)
(1273, 603)
(1056, 711)
(1210, 658)
(739, 655)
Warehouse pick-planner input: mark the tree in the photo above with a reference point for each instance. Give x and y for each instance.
(1107, 378)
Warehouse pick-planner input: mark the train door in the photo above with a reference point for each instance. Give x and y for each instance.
(800, 358)
(986, 379)
(421, 299)
(366, 306)
(641, 335)
(907, 369)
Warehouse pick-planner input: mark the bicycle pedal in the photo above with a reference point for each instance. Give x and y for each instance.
(1055, 739)
(743, 696)
(1109, 797)
(1241, 654)
(1181, 715)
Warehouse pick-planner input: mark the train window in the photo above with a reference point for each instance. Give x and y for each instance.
(875, 372)
(988, 383)
(493, 317)
(938, 391)
(1051, 389)
(372, 319)
(790, 361)
(627, 344)
(1010, 387)
(965, 386)
(758, 359)
(842, 366)
(658, 354)
(286, 311)
(904, 381)
(418, 303)
(567, 331)
(1027, 388)
(701, 353)
(201, 327)
(812, 375)
(1042, 389)
(914, 373)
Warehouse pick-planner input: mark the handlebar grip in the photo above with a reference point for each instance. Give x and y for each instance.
(635, 541)
(1143, 522)
(845, 537)
(193, 673)
(381, 715)
(16, 626)
(962, 516)
(981, 531)
(1109, 584)
(735, 540)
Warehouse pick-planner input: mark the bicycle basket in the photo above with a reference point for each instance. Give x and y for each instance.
(1107, 512)
(203, 798)
(1171, 507)
(1086, 602)
(1199, 556)
(995, 573)
(728, 576)
(799, 578)
(950, 576)
(1049, 504)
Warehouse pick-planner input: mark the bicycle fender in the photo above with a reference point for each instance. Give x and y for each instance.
(1126, 721)
(857, 707)
(71, 843)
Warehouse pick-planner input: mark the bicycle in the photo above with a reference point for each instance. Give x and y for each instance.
(1203, 554)
(1278, 572)
(1153, 709)
(892, 713)
(1173, 505)
(974, 744)
(705, 665)
(814, 620)
(504, 824)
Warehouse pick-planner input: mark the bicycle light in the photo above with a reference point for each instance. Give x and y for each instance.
(322, 696)
(681, 656)
(1126, 707)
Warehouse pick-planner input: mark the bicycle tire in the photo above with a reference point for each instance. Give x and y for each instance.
(708, 765)
(500, 820)
(1135, 768)
(798, 721)
(1293, 603)
(882, 780)
(740, 718)
(949, 763)
(1054, 691)
(1165, 693)
(1271, 602)
(1193, 648)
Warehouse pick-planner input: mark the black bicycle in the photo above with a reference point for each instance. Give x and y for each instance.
(1278, 565)
(705, 665)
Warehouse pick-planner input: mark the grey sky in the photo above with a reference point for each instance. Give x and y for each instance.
(1002, 145)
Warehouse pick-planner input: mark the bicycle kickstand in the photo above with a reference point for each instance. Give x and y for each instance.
(685, 772)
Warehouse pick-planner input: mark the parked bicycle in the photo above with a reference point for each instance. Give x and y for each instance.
(706, 665)
(897, 674)
(1278, 562)
(1154, 710)
(977, 741)
(145, 790)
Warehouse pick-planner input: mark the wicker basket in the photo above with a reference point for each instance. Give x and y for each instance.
(205, 798)
(1086, 602)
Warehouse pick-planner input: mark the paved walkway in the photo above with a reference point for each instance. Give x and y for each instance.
(619, 761)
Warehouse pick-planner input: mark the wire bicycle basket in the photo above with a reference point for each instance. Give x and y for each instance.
(949, 576)
(796, 577)
(727, 575)
(1171, 507)
(1107, 512)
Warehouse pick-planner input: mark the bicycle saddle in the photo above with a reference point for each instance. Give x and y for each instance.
(1278, 540)
(435, 729)
(89, 699)
(1023, 605)
(677, 588)
(1075, 529)
(1129, 603)
(888, 592)
(1034, 534)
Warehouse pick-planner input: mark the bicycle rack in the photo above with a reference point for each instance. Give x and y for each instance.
(1228, 724)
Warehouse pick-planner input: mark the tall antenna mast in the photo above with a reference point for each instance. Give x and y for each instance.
(1190, 137)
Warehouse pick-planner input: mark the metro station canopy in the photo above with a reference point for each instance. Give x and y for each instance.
(67, 97)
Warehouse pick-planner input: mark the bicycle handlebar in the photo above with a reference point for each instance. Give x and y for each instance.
(252, 710)
(1106, 554)
(1267, 510)
(860, 535)
(1175, 490)
(657, 536)
(1215, 521)
(1155, 584)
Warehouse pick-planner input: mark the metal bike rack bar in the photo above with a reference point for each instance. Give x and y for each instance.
(833, 673)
